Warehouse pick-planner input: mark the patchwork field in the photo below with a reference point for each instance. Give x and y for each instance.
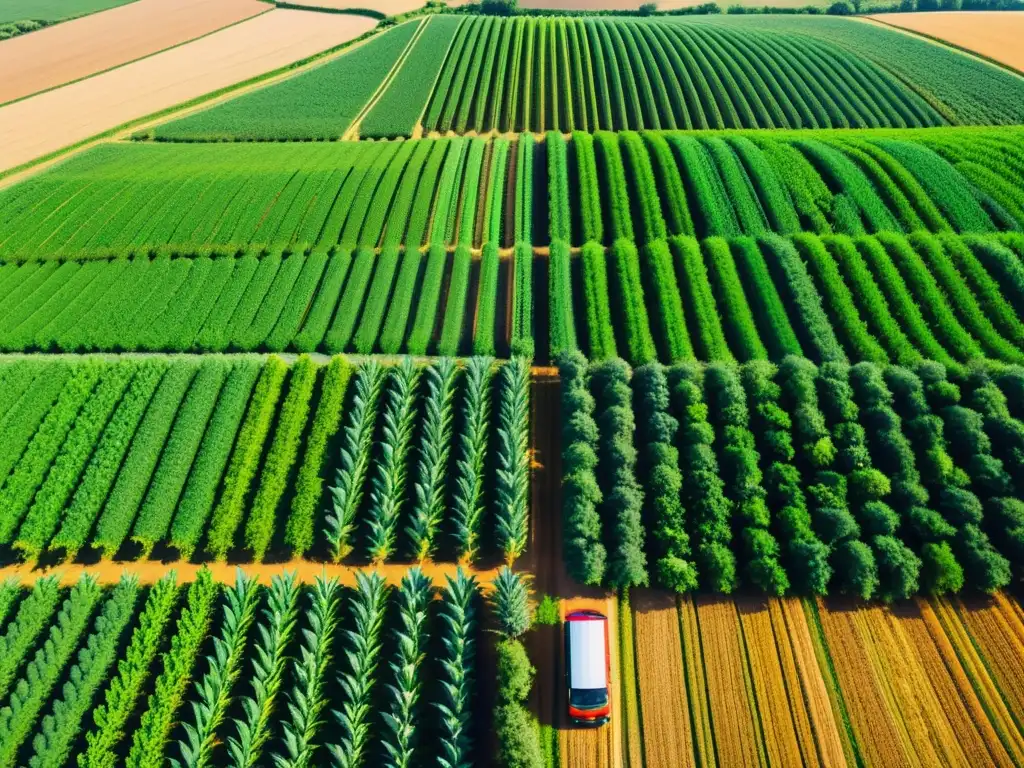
(35, 127)
(992, 34)
(708, 323)
(216, 441)
(83, 47)
(485, 74)
(827, 683)
(54, 10)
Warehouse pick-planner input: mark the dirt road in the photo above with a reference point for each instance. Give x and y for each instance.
(995, 35)
(83, 47)
(578, 747)
(42, 124)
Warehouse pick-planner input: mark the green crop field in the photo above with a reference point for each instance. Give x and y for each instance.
(53, 10)
(489, 314)
(269, 688)
(485, 74)
(195, 453)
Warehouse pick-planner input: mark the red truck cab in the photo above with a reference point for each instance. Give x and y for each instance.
(588, 668)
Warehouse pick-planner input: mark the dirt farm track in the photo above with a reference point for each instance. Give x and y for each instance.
(35, 127)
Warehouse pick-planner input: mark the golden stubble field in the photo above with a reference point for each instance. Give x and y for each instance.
(829, 682)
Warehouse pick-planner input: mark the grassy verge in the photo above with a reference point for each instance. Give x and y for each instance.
(632, 719)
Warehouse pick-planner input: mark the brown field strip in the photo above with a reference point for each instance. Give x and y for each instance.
(876, 731)
(952, 684)
(769, 683)
(733, 716)
(82, 47)
(45, 123)
(661, 680)
(995, 35)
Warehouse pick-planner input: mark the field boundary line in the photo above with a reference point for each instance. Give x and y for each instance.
(19, 172)
(943, 43)
(133, 61)
(108, 572)
(352, 132)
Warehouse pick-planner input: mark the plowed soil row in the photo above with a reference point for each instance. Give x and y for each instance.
(91, 44)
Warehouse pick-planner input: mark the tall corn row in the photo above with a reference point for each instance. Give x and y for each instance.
(402, 716)
(347, 490)
(434, 450)
(468, 504)
(214, 692)
(306, 699)
(388, 494)
(269, 662)
(363, 647)
(513, 473)
(458, 678)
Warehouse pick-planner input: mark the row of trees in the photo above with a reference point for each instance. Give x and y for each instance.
(868, 480)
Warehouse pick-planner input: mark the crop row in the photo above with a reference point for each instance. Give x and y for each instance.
(885, 297)
(605, 74)
(482, 74)
(361, 301)
(472, 192)
(198, 454)
(882, 298)
(875, 481)
(318, 103)
(285, 660)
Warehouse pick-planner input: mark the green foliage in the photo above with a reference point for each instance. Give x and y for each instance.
(213, 692)
(354, 460)
(307, 697)
(150, 740)
(363, 644)
(513, 461)
(511, 602)
(468, 495)
(548, 612)
(388, 491)
(269, 663)
(111, 717)
(309, 484)
(227, 515)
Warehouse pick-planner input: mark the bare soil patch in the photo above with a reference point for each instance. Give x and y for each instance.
(996, 35)
(83, 47)
(59, 118)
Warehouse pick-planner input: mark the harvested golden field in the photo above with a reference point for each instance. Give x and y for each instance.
(995, 627)
(909, 698)
(661, 680)
(996, 35)
(733, 710)
(45, 123)
(91, 44)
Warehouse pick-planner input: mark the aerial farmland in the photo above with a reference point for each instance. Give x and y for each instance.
(569, 384)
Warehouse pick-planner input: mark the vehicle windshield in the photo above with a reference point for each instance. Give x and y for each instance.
(588, 698)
